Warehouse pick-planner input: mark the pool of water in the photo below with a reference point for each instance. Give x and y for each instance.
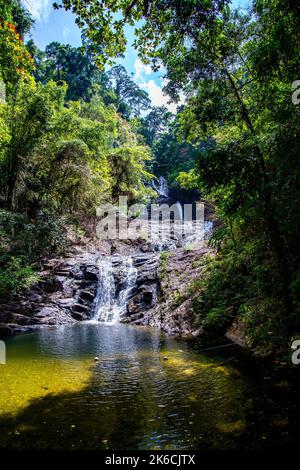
(146, 391)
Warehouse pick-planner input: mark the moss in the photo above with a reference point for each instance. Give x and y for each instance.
(162, 271)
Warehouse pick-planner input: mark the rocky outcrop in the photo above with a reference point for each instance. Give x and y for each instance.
(164, 291)
(236, 334)
(161, 295)
(146, 293)
(64, 294)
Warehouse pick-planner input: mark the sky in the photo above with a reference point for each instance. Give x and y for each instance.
(58, 25)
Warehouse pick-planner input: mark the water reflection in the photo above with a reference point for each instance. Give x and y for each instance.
(147, 391)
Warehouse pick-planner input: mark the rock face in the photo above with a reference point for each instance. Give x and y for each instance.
(161, 295)
(236, 334)
(65, 294)
(164, 291)
(146, 292)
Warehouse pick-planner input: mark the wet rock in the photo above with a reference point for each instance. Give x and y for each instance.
(87, 295)
(148, 297)
(5, 330)
(164, 298)
(197, 333)
(51, 284)
(62, 273)
(79, 316)
(136, 316)
(145, 247)
(116, 261)
(34, 297)
(141, 260)
(18, 329)
(79, 308)
(51, 264)
(91, 273)
(5, 316)
(22, 319)
(67, 303)
(50, 302)
(45, 312)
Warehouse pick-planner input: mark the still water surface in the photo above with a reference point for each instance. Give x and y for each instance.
(147, 391)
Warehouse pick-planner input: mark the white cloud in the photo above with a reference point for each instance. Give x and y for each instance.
(66, 32)
(156, 95)
(40, 9)
(141, 69)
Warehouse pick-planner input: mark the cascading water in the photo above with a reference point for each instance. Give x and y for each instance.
(106, 289)
(128, 286)
(117, 274)
(179, 211)
(184, 232)
(162, 187)
(110, 304)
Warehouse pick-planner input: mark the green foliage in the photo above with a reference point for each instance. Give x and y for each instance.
(236, 138)
(14, 277)
(67, 159)
(172, 154)
(164, 255)
(132, 100)
(15, 61)
(188, 179)
(15, 12)
(77, 68)
(65, 146)
(64, 63)
(242, 285)
(155, 124)
(103, 25)
(23, 243)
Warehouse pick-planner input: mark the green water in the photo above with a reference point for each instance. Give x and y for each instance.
(146, 391)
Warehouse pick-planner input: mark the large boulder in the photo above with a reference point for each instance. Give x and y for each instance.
(91, 273)
(88, 295)
(236, 333)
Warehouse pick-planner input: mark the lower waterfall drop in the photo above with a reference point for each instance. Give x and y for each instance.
(110, 304)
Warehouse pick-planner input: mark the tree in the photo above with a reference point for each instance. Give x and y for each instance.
(104, 28)
(28, 117)
(15, 61)
(13, 11)
(154, 124)
(62, 62)
(172, 153)
(236, 71)
(132, 99)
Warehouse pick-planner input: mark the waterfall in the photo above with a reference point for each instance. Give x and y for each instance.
(162, 188)
(179, 212)
(106, 289)
(127, 287)
(111, 302)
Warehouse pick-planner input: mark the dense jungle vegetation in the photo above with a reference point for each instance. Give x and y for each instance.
(77, 131)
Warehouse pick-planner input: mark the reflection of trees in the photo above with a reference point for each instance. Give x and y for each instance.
(136, 398)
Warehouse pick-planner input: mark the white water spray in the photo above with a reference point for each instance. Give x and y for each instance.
(110, 307)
